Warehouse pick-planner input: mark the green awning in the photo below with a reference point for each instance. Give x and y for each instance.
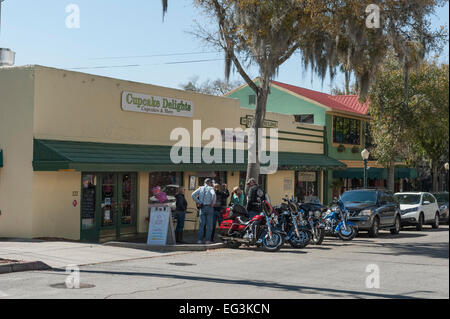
(52, 155)
(372, 173)
(405, 172)
(376, 173)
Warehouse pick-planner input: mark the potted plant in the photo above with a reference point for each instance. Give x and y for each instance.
(355, 149)
(341, 148)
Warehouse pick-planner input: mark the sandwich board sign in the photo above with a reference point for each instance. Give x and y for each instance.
(160, 227)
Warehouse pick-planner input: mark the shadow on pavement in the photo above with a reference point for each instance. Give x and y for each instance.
(433, 250)
(261, 284)
(388, 235)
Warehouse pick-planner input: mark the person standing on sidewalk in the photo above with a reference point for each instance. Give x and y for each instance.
(222, 195)
(180, 213)
(238, 197)
(255, 198)
(205, 197)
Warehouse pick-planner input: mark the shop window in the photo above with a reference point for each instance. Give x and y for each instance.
(217, 178)
(262, 181)
(346, 131)
(304, 118)
(167, 182)
(307, 187)
(252, 99)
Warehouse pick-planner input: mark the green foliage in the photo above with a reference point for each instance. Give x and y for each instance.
(217, 87)
(415, 129)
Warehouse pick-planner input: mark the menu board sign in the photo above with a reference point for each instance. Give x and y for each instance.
(160, 228)
(135, 102)
(88, 207)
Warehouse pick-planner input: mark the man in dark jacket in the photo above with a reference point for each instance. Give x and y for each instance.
(221, 203)
(255, 198)
(180, 213)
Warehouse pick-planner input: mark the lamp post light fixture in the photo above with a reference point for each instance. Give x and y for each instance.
(446, 166)
(365, 156)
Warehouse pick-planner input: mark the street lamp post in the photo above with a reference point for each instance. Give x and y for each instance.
(446, 166)
(365, 156)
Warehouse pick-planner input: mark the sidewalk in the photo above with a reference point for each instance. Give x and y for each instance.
(189, 239)
(59, 254)
(7, 266)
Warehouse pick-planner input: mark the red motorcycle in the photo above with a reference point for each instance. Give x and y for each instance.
(237, 228)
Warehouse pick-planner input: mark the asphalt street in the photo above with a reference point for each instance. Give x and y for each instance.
(410, 265)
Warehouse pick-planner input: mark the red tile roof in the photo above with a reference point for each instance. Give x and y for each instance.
(347, 103)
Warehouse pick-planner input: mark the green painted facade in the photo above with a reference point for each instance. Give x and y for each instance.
(282, 102)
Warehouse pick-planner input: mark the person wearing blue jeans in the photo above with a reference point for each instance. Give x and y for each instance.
(205, 197)
(180, 213)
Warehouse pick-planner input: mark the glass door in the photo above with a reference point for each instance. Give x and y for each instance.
(108, 205)
(127, 203)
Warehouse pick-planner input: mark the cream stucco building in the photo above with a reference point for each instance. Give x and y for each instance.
(80, 154)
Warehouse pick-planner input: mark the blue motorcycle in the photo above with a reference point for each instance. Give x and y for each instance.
(337, 223)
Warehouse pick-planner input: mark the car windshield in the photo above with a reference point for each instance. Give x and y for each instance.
(441, 198)
(408, 199)
(359, 197)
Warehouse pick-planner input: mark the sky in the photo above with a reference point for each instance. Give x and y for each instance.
(129, 40)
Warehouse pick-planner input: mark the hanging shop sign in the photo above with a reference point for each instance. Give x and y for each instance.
(307, 176)
(248, 122)
(135, 102)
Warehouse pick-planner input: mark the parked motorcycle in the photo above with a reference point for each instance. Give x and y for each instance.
(289, 221)
(312, 217)
(237, 229)
(337, 223)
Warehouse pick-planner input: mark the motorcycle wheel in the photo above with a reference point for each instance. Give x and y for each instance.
(302, 242)
(320, 236)
(273, 244)
(347, 235)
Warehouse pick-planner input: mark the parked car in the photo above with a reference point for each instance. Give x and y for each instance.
(442, 199)
(171, 191)
(372, 210)
(418, 209)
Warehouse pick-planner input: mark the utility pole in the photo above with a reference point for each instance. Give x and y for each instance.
(7, 56)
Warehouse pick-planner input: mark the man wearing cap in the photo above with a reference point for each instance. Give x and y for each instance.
(255, 198)
(205, 197)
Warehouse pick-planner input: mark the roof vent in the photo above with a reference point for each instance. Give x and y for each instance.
(7, 57)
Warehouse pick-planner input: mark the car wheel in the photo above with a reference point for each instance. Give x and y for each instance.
(396, 229)
(419, 226)
(373, 231)
(435, 224)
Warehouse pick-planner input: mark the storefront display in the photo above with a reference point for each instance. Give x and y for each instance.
(168, 182)
(307, 186)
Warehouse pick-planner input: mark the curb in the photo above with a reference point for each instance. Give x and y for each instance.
(188, 247)
(25, 266)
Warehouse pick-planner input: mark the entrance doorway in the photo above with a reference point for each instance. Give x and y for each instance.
(108, 206)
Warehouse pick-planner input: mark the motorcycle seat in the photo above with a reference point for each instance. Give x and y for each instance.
(243, 220)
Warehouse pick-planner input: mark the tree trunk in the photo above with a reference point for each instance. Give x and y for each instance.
(253, 168)
(406, 79)
(435, 173)
(391, 177)
(347, 83)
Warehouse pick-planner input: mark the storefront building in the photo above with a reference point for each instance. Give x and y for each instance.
(345, 122)
(81, 154)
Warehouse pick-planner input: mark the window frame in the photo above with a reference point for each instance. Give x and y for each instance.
(342, 124)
